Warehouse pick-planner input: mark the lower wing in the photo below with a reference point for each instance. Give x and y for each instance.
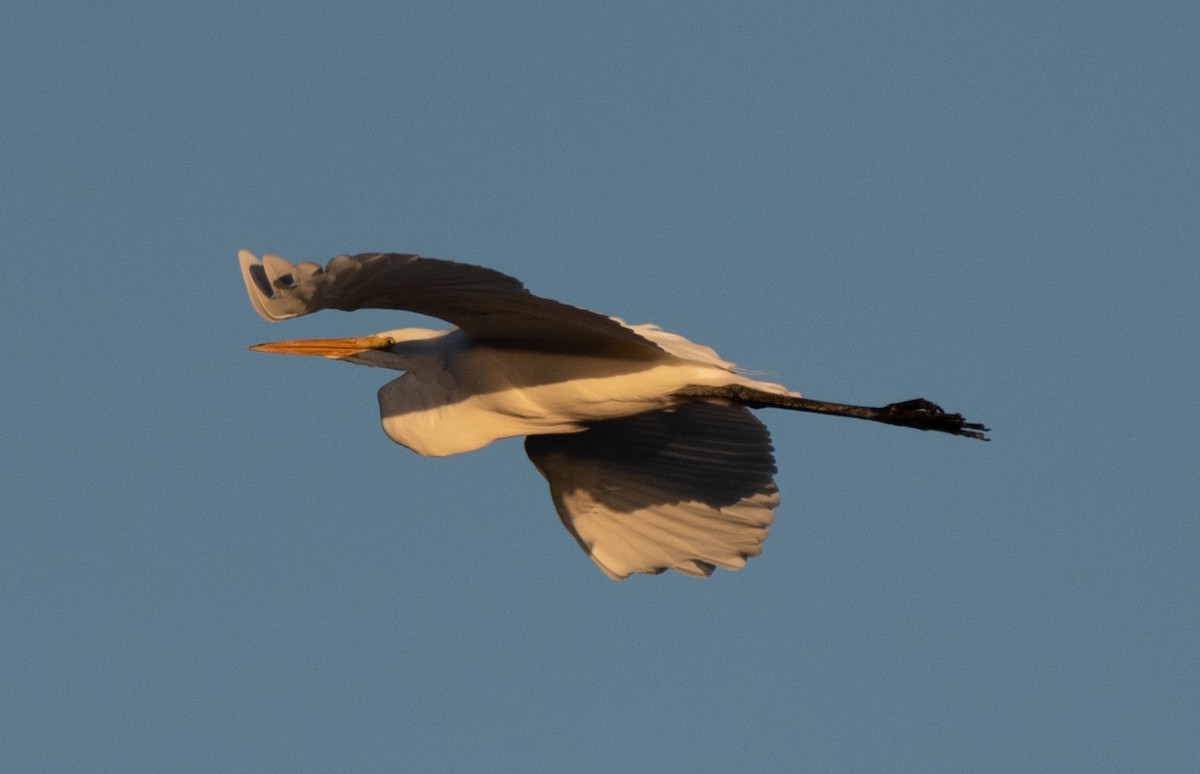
(688, 488)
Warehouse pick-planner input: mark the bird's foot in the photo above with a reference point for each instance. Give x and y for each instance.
(926, 415)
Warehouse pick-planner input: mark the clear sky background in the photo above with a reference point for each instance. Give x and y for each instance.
(214, 560)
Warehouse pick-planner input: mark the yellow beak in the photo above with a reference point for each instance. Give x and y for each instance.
(331, 348)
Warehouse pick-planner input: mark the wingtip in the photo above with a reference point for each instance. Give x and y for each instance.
(251, 269)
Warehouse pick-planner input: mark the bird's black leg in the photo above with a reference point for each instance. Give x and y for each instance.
(925, 415)
(917, 413)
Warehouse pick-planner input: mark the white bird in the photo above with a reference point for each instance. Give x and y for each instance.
(653, 458)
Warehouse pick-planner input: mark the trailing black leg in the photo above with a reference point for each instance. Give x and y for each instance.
(918, 413)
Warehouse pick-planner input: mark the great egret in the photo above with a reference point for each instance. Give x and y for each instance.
(653, 458)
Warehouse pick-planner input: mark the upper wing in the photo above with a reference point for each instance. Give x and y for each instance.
(686, 489)
(488, 305)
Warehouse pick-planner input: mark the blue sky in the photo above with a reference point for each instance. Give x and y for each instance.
(214, 560)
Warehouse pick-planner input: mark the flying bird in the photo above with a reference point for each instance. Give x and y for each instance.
(653, 457)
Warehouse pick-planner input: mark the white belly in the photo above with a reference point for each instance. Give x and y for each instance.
(485, 395)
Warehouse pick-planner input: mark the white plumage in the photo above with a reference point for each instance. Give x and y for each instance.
(653, 459)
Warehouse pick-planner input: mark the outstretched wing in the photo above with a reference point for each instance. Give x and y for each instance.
(488, 305)
(688, 489)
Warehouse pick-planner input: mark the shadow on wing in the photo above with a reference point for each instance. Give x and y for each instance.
(686, 489)
(490, 306)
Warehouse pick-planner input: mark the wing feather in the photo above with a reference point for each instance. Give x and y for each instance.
(688, 488)
(488, 305)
